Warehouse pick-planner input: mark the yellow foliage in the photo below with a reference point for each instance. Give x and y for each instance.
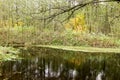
(15, 25)
(20, 23)
(10, 23)
(77, 23)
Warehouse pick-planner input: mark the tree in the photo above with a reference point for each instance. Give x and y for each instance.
(72, 7)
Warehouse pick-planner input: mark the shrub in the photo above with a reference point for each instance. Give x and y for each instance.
(77, 23)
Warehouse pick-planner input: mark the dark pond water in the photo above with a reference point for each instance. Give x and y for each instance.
(55, 65)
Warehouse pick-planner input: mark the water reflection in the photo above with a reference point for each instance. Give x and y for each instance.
(53, 67)
(100, 75)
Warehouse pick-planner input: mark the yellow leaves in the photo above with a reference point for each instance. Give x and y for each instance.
(77, 23)
(68, 26)
(19, 23)
(10, 23)
(4, 23)
(15, 25)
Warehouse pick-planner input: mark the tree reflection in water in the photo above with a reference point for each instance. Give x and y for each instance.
(58, 68)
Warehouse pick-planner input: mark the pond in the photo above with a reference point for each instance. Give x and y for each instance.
(47, 64)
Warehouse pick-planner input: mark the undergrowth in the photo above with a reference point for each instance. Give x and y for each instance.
(30, 35)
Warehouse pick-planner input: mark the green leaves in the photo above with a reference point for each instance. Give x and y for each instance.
(8, 53)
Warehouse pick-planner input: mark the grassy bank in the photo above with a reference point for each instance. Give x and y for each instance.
(81, 49)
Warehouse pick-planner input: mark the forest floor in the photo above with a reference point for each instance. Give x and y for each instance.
(34, 36)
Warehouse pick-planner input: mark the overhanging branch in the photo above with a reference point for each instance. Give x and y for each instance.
(72, 9)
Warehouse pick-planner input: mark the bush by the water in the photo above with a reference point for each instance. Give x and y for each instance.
(8, 53)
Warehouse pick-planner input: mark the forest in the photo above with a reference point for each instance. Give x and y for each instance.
(60, 22)
(44, 28)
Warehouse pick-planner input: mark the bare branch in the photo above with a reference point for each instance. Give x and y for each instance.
(71, 9)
